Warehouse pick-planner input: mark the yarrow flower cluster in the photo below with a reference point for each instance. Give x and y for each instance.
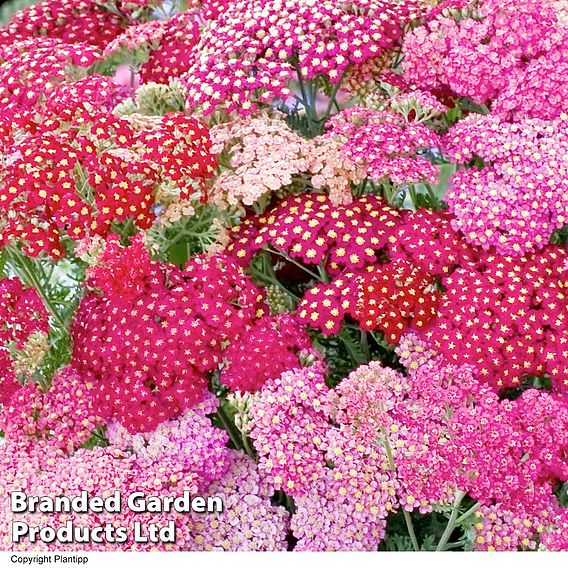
(30, 69)
(63, 417)
(174, 54)
(120, 336)
(491, 50)
(506, 316)
(80, 175)
(24, 321)
(187, 451)
(387, 145)
(57, 186)
(265, 156)
(83, 21)
(304, 256)
(251, 521)
(252, 51)
(273, 345)
(518, 198)
(22, 313)
(393, 297)
(310, 228)
(390, 298)
(426, 433)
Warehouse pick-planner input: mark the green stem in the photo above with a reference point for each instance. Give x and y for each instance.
(435, 199)
(99, 437)
(413, 196)
(24, 266)
(454, 545)
(248, 449)
(306, 103)
(365, 344)
(332, 100)
(406, 514)
(232, 430)
(270, 276)
(450, 527)
(349, 345)
(3, 256)
(323, 274)
(410, 528)
(469, 512)
(381, 342)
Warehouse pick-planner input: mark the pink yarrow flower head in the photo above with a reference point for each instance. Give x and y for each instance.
(30, 69)
(517, 199)
(310, 228)
(388, 146)
(72, 21)
(474, 48)
(196, 450)
(507, 317)
(265, 156)
(61, 418)
(251, 52)
(250, 522)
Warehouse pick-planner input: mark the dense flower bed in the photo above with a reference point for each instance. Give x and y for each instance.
(306, 255)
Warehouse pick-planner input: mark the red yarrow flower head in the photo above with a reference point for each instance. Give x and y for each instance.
(272, 346)
(148, 341)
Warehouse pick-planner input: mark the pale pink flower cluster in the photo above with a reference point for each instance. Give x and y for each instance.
(250, 522)
(61, 418)
(164, 463)
(366, 399)
(332, 170)
(380, 440)
(265, 156)
(346, 508)
(186, 450)
(100, 471)
(413, 351)
(341, 486)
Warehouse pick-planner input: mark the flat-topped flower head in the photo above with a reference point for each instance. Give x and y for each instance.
(310, 228)
(272, 346)
(120, 338)
(250, 521)
(395, 297)
(191, 442)
(507, 317)
(253, 50)
(473, 49)
(22, 313)
(32, 68)
(387, 145)
(265, 157)
(518, 198)
(73, 21)
(61, 418)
